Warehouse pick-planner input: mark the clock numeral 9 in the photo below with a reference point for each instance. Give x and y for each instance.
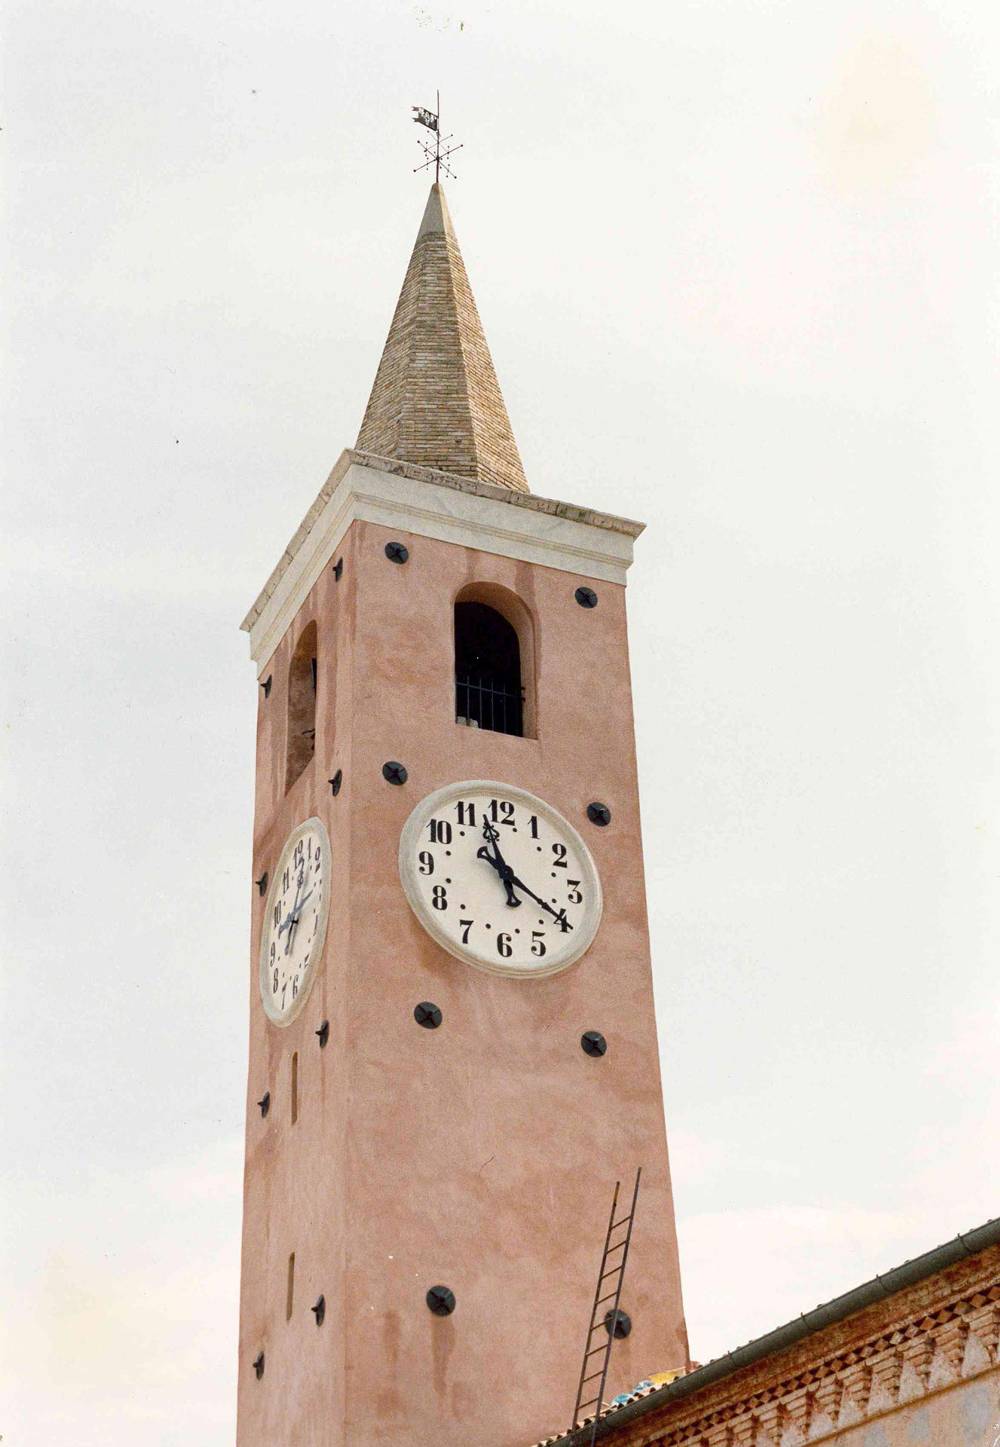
(440, 897)
(426, 861)
(504, 947)
(440, 831)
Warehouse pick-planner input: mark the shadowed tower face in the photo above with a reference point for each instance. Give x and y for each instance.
(438, 918)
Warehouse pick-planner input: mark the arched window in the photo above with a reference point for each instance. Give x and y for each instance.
(301, 739)
(489, 693)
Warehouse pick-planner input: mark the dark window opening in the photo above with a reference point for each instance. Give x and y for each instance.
(488, 692)
(302, 681)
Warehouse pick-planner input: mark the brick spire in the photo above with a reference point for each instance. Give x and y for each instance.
(436, 400)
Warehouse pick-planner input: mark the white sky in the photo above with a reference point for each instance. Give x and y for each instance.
(736, 262)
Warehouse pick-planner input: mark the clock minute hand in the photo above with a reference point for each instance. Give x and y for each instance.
(296, 914)
(292, 919)
(559, 915)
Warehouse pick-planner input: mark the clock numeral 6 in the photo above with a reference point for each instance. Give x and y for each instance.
(504, 948)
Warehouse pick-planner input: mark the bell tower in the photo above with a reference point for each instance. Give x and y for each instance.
(453, 1049)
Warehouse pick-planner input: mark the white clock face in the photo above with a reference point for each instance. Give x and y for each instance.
(499, 879)
(291, 942)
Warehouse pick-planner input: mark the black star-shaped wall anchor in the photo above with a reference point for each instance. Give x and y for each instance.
(441, 1300)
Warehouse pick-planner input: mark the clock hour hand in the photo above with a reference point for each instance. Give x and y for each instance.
(505, 872)
(496, 861)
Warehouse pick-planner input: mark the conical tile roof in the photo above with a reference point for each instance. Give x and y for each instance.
(436, 401)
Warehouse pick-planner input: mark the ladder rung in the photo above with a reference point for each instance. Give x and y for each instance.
(592, 1401)
(601, 1348)
(593, 1377)
(612, 1272)
(617, 1247)
(610, 1297)
(619, 1223)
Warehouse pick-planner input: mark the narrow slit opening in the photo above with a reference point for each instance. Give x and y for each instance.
(295, 1087)
(290, 1289)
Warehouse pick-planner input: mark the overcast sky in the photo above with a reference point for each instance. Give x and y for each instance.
(737, 264)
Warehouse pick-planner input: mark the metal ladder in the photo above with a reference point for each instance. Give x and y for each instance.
(605, 1321)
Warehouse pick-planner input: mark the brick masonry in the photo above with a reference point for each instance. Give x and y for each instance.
(920, 1367)
(436, 401)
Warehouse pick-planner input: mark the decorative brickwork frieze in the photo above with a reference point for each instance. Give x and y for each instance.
(921, 1340)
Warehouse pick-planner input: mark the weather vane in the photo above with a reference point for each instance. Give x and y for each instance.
(436, 156)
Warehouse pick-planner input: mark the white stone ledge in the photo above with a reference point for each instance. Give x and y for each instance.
(434, 505)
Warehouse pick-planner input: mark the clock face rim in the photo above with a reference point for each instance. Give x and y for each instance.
(316, 825)
(410, 878)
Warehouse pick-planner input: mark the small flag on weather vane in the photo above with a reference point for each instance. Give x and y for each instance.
(436, 153)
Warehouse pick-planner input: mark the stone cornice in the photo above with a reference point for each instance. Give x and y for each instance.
(434, 504)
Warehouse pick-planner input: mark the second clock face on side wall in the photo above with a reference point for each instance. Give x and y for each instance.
(294, 929)
(500, 879)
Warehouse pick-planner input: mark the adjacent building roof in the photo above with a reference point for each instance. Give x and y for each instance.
(436, 401)
(650, 1399)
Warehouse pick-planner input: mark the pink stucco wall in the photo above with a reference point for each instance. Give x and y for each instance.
(481, 1155)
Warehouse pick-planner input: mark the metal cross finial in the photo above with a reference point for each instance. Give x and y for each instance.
(437, 153)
